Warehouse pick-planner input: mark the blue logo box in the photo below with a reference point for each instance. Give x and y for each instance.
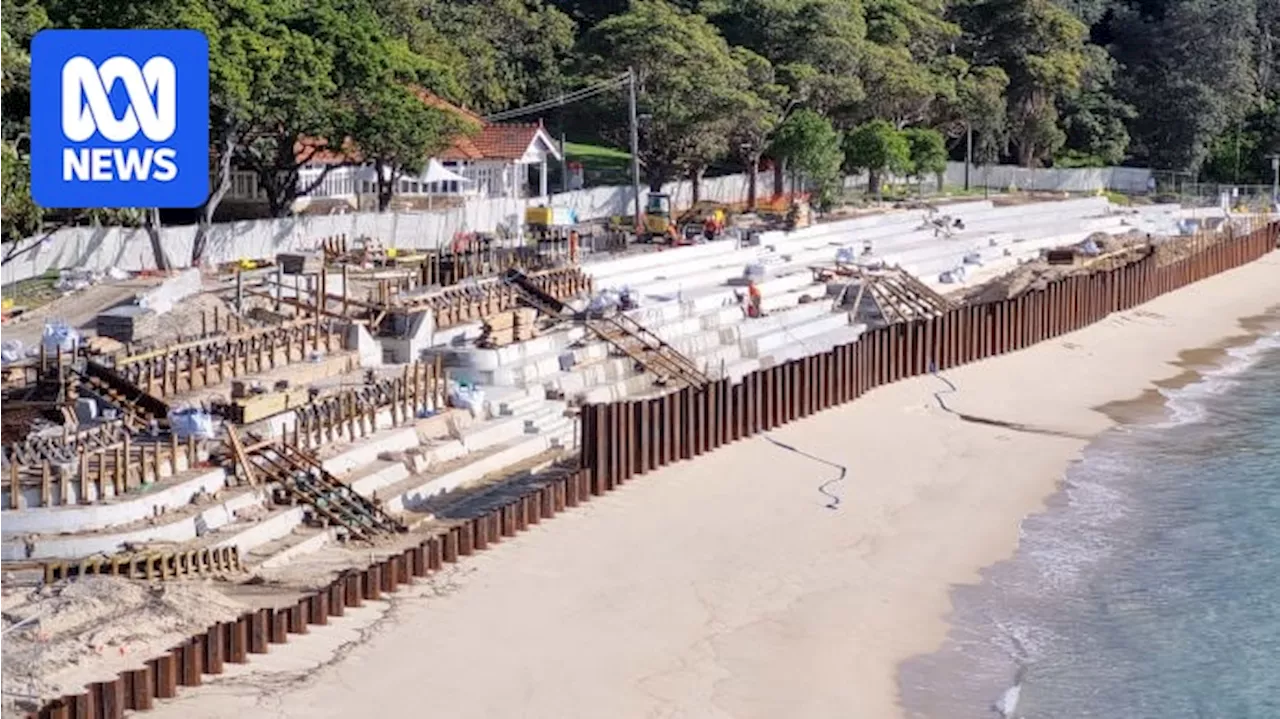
(119, 118)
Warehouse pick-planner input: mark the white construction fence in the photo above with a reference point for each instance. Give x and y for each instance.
(102, 248)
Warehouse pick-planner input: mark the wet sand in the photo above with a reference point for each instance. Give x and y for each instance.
(725, 586)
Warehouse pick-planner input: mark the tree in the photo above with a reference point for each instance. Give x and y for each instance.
(502, 53)
(816, 46)
(305, 104)
(1040, 47)
(811, 148)
(690, 86)
(1093, 118)
(927, 153)
(876, 147)
(984, 110)
(396, 132)
(763, 110)
(1196, 84)
(907, 64)
(22, 20)
(22, 216)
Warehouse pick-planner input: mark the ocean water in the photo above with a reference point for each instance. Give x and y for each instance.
(1150, 586)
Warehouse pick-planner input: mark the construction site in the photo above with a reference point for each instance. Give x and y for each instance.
(228, 450)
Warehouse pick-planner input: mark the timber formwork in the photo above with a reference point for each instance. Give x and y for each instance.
(352, 413)
(176, 564)
(87, 474)
(201, 363)
(458, 304)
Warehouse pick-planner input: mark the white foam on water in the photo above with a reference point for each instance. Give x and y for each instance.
(1186, 404)
(1061, 545)
(1008, 702)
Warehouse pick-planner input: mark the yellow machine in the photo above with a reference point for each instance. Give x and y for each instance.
(659, 225)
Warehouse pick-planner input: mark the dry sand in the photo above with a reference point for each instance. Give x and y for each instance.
(724, 587)
(61, 637)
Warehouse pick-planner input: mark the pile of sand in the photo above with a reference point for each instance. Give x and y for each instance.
(91, 628)
(1038, 274)
(184, 321)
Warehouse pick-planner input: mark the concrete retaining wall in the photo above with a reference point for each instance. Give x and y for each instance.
(83, 518)
(184, 529)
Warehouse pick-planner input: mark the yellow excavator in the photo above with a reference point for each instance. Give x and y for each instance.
(661, 226)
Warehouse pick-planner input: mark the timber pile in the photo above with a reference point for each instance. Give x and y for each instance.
(504, 328)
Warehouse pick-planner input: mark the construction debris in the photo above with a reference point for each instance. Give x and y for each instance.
(1094, 254)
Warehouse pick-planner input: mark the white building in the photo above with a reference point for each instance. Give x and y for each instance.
(498, 160)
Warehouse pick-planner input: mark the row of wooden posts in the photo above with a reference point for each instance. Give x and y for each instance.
(202, 363)
(100, 472)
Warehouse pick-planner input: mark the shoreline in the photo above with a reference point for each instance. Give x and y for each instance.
(724, 587)
(1194, 364)
(1152, 408)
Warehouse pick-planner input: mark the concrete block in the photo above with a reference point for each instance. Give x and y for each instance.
(366, 452)
(511, 453)
(89, 517)
(183, 529)
(274, 527)
(309, 545)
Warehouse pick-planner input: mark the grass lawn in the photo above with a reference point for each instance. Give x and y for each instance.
(597, 157)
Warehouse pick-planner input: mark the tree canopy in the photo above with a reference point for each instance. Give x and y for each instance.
(1035, 82)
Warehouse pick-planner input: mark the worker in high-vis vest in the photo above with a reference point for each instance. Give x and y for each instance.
(753, 300)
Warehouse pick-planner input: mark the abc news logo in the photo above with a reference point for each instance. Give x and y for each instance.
(119, 118)
(86, 111)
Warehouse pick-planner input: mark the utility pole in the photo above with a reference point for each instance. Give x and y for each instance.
(635, 143)
(968, 152)
(564, 166)
(1275, 178)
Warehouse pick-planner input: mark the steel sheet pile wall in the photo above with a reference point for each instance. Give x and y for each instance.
(623, 439)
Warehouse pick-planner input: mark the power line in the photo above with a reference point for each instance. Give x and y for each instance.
(562, 100)
(565, 99)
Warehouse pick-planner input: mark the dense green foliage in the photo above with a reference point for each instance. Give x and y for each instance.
(1191, 86)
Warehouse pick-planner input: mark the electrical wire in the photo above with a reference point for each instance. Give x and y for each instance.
(561, 100)
(549, 104)
(822, 488)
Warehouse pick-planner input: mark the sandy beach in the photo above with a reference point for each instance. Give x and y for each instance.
(726, 587)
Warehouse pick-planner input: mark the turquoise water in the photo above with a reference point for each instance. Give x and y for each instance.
(1150, 587)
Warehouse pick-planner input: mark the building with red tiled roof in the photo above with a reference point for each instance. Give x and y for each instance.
(496, 160)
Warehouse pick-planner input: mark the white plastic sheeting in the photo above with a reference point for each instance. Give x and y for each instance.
(191, 422)
(59, 335)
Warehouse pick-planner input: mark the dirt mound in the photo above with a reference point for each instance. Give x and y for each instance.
(90, 628)
(1104, 252)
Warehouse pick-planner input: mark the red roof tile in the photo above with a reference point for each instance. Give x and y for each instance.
(490, 142)
(440, 103)
(505, 142)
